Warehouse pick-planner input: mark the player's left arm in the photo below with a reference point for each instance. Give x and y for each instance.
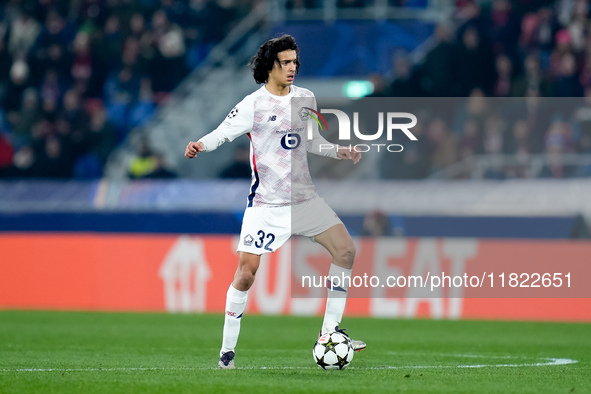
(320, 146)
(346, 153)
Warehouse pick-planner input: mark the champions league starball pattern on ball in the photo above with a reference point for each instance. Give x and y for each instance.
(333, 351)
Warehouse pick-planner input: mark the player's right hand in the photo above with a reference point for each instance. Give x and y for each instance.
(193, 148)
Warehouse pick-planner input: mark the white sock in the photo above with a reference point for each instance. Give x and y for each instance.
(337, 297)
(235, 305)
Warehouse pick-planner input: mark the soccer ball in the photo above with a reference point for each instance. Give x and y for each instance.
(333, 351)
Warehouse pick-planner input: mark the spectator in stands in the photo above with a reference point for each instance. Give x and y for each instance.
(477, 108)
(518, 141)
(537, 115)
(474, 64)
(41, 130)
(55, 159)
(5, 62)
(585, 73)
(532, 79)
(559, 134)
(567, 82)
(562, 49)
(208, 23)
(143, 163)
(148, 164)
(122, 86)
(6, 154)
(73, 111)
(55, 32)
(50, 109)
(494, 135)
(504, 28)
(439, 65)
(504, 80)
(581, 122)
(443, 144)
(379, 86)
(168, 66)
(518, 145)
(100, 136)
(22, 34)
(19, 81)
(405, 82)
(161, 171)
(555, 166)
(414, 162)
(131, 56)
(541, 35)
(48, 155)
(55, 59)
(51, 87)
(82, 62)
(23, 163)
(144, 106)
(114, 39)
(376, 224)
(136, 27)
(470, 142)
(22, 121)
(577, 25)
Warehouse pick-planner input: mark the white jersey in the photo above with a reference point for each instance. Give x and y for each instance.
(279, 145)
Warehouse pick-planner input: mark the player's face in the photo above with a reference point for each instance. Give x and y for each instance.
(284, 69)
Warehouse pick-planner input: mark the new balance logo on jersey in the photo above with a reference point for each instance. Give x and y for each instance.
(272, 118)
(248, 240)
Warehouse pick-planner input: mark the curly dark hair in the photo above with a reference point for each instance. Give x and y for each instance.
(262, 63)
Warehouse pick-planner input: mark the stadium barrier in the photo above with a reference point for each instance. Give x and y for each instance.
(537, 227)
(182, 273)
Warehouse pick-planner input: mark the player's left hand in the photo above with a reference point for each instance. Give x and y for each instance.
(347, 154)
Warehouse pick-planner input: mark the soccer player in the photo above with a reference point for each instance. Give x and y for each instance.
(282, 201)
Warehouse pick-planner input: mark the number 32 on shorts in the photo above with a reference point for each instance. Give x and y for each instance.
(269, 237)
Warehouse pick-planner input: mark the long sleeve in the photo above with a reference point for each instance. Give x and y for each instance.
(238, 122)
(319, 145)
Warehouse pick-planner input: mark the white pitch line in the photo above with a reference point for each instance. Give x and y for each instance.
(96, 369)
(458, 355)
(548, 362)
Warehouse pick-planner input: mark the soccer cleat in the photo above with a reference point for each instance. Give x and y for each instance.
(227, 361)
(355, 343)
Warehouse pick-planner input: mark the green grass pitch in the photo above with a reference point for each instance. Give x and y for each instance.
(71, 352)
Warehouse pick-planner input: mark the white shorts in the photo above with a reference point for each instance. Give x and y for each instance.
(265, 229)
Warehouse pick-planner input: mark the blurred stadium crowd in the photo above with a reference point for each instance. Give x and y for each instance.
(76, 76)
(519, 48)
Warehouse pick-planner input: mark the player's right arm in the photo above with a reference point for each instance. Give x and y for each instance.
(238, 122)
(193, 148)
